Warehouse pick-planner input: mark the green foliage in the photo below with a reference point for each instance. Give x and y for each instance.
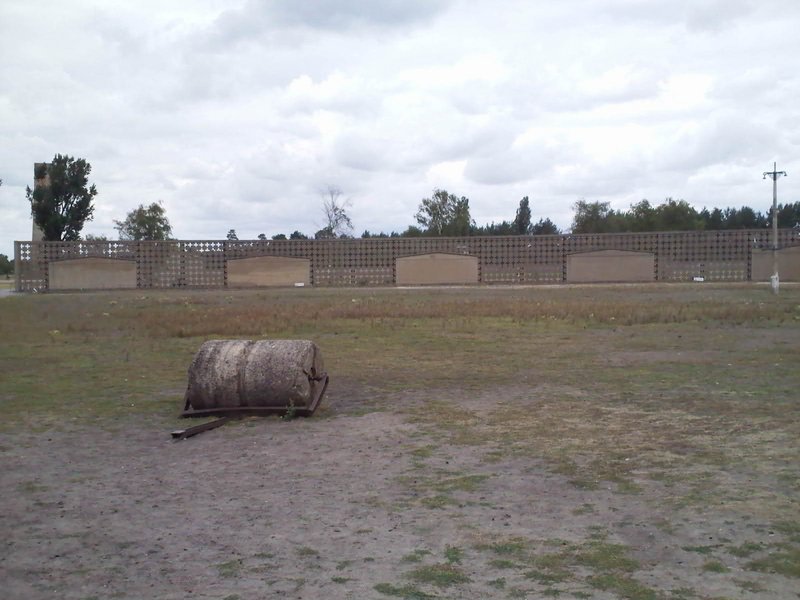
(522, 220)
(229, 569)
(786, 563)
(445, 214)
(263, 236)
(279, 236)
(142, 223)
(64, 204)
(408, 592)
(6, 265)
(700, 549)
(502, 228)
(326, 233)
(453, 554)
(672, 215)
(296, 235)
(232, 235)
(789, 215)
(544, 227)
(412, 231)
(416, 555)
(714, 566)
(441, 575)
(744, 550)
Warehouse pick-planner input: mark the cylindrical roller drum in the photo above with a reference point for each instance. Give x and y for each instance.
(238, 375)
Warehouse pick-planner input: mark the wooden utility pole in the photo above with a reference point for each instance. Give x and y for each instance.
(774, 174)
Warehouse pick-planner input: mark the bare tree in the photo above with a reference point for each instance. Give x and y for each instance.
(334, 209)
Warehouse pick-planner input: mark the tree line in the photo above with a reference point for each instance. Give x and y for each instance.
(61, 209)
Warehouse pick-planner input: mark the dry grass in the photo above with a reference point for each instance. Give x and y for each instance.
(683, 394)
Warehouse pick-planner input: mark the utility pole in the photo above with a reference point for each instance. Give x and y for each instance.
(774, 174)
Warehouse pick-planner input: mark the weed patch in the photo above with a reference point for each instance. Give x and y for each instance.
(407, 592)
(440, 575)
(623, 586)
(784, 562)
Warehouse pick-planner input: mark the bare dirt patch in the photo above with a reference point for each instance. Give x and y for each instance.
(469, 456)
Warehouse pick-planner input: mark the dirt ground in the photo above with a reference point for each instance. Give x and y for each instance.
(514, 444)
(328, 507)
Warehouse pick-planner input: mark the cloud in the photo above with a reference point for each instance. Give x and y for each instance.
(235, 116)
(272, 19)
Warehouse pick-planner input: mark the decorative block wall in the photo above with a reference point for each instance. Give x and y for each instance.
(677, 256)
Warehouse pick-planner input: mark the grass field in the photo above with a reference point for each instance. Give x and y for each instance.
(576, 442)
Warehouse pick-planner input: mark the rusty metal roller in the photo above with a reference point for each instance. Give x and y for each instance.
(265, 376)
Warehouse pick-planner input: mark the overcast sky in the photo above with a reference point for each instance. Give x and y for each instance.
(239, 114)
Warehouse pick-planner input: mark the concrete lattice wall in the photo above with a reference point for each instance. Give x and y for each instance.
(676, 256)
(437, 268)
(611, 266)
(92, 273)
(788, 264)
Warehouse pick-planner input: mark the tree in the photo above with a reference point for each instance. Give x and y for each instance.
(641, 217)
(544, 227)
(501, 228)
(149, 223)
(789, 215)
(677, 215)
(713, 220)
(263, 237)
(412, 231)
(337, 221)
(232, 235)
(522, 222)
(445, 214)
(296, 235)
(6, 266)
(61, 207)
(279, 236)
(90, 237)
(592, 217)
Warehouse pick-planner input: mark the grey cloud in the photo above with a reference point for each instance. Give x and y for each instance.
(344, 14)
(360, 152)
(514, 165)
(263, 19)
(728, 138)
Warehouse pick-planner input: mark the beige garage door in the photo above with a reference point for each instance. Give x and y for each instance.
(92, 274)
(263, 271)
(610, 266)
(443, 269)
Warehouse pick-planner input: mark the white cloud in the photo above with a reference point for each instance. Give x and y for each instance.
(235, 116)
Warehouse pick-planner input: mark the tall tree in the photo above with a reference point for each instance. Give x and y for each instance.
(142, 223)
(522, 221)
(232, 235)
(334, 209)
(445, 214)
(64, 204)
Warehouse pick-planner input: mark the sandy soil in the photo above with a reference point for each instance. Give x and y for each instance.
(325, 507)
